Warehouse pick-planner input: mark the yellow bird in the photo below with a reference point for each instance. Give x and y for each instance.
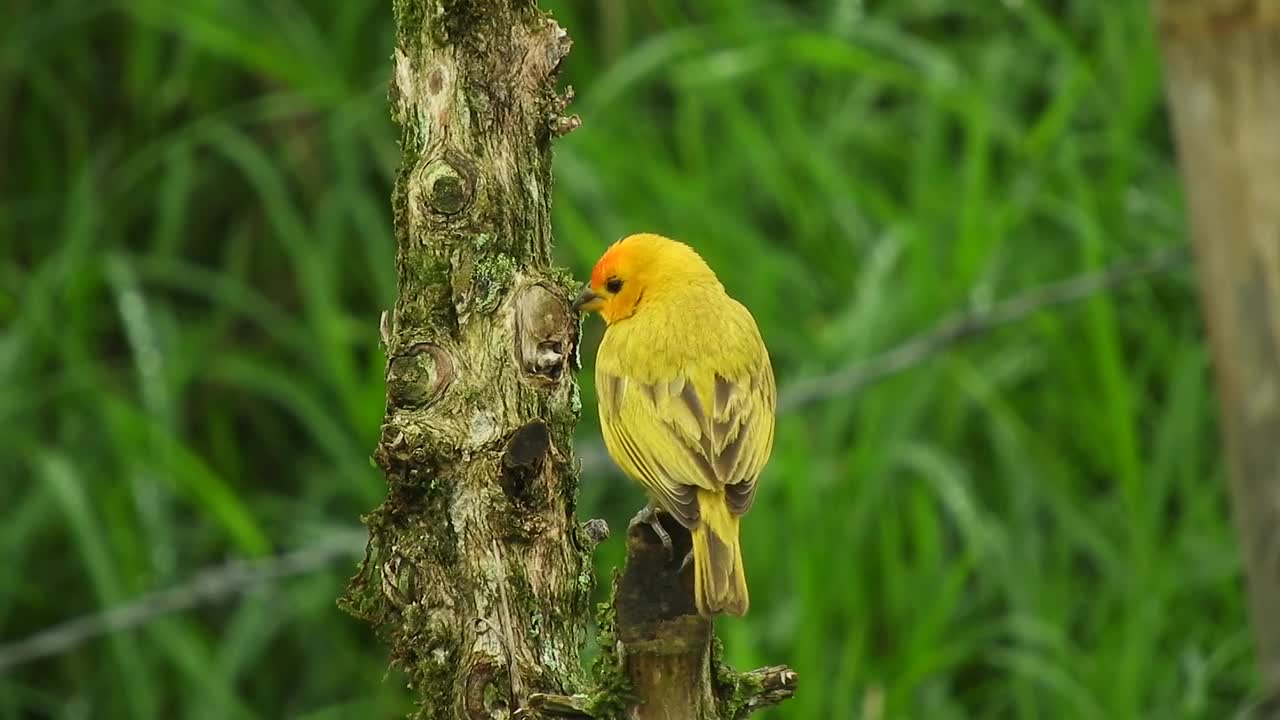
(687, 400)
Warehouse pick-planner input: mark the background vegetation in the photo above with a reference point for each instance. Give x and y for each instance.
(194, 220)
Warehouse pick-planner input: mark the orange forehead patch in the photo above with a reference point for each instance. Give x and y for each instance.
(604, 266)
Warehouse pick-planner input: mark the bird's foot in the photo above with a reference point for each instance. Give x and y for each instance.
(649, 516)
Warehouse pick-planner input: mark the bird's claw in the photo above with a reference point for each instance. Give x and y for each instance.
(649, 516)
(688, 560)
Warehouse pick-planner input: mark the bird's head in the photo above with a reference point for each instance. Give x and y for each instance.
(640, 267)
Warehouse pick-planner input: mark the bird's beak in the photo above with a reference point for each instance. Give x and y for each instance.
(588, 301)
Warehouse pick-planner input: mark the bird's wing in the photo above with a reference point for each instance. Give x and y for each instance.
(711, 431)
(742, 425)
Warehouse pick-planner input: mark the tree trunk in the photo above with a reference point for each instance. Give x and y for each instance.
(476, 572)
(1222, 61)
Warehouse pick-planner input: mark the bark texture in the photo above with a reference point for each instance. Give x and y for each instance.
(476, 572)
(1222, 61)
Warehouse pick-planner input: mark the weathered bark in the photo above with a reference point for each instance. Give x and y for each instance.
(476, 572)
(1222, 61)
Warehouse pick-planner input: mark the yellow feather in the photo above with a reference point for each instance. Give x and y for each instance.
(719, 579)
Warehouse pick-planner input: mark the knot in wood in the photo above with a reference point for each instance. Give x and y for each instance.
(392, 451)
(449, 189)
(527, 446)
(596, 531)
(522, 460)
(545, 333)
(419, 376)
(488, 692)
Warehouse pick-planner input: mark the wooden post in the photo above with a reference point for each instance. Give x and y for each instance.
(1222, 75)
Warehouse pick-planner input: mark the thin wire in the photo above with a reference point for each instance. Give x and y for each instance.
(969, 324)
(207, 586)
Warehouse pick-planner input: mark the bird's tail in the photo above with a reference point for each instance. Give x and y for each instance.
(719, 581)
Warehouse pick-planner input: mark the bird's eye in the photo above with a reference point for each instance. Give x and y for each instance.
(614, 285)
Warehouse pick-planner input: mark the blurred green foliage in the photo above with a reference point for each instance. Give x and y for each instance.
(194, 225)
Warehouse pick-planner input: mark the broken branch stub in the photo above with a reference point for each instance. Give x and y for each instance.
(668, 651)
